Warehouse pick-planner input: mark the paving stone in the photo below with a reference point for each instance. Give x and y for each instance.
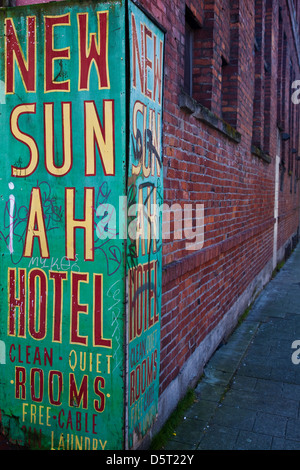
(293, 429)
(285, 444)
(210, 392)
(248, 400)
(202, 409)
(216, 377)
(253, 441)
(234, 417)
(284, 374)
(268, 387)
(189, 431)
(291, 391)
(255, 370)
(218, 438)
(225, 361)
(241, 382)
(267, 403)
(270, 424)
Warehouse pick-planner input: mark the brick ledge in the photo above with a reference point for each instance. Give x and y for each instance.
(200, 112)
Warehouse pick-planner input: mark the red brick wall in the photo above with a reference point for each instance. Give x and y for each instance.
(202, 165)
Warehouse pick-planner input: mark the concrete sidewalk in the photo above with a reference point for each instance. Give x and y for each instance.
(249, 396)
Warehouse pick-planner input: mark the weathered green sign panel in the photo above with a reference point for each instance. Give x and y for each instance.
(145, 197)
(70, 171)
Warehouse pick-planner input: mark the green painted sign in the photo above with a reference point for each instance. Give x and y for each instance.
(65, 258)
(145, 198)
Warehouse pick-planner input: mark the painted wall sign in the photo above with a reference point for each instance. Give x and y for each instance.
(63, 238)
(145, 197)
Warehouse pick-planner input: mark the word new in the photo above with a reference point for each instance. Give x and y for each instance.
(92, 50)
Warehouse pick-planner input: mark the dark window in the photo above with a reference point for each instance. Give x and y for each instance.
(188, 58)
(268, 74)
(261, 134)
(229, 24)
(192, 26)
